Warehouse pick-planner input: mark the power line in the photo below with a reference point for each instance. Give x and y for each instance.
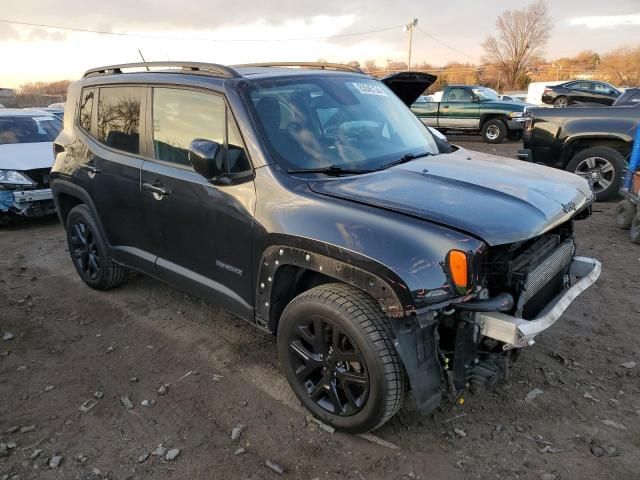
(445, 45)
(200, 39)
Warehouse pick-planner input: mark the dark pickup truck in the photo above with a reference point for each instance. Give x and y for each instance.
(475, 109)
(591, 142)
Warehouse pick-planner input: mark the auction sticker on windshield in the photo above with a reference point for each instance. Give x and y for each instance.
(367, 89)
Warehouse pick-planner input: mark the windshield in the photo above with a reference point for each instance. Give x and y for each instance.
(28, 129)
(485, 94)
(346, 123)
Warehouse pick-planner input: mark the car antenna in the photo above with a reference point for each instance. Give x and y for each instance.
(143, 60)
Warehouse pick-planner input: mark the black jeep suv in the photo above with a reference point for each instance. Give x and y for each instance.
(310, 201)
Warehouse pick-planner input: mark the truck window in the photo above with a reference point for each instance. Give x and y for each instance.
(459, 95)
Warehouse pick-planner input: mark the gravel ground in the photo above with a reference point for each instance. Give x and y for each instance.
(146, 382)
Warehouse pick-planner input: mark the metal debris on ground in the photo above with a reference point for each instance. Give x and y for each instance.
(172, 454)
(239, 451)
(185, 375)
(128, 404)
(8, 336)
(612, 424)
(459, 432)
(28, 429)
(236, 432)
(531, 396)
(55, 461)
(629, 365)
(88, 405)
(98, 394)
(163, 389)
(323, 426)
(588, 396)
(279, 469)
(377, 440)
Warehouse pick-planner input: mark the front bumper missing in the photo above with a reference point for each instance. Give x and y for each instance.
(517, 332)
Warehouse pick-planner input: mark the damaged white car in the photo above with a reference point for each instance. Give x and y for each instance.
(26, 156)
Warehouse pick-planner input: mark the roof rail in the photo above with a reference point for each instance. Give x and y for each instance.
(192, 67)
(320, 65)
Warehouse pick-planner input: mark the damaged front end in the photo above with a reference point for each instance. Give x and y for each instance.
(25, 193)
(519, 290)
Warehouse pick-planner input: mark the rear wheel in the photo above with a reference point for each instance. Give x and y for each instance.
(493, 131)
(561, 102)
(88, 251)
(625, 211)
(603, 167)
(634, 231)
(337, 354)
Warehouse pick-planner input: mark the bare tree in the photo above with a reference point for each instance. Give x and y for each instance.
(622, 66)
(521, 37)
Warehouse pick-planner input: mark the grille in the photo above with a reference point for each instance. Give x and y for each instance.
(544, 273)
(40, 176)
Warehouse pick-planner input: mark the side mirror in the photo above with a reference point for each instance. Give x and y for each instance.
(206, 158)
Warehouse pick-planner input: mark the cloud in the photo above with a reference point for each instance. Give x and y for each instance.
(42, 34)
(606, 21)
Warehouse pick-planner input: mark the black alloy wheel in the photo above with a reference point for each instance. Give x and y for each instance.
(89, 251)
(329, 365)
(84, 250)
(336, 349)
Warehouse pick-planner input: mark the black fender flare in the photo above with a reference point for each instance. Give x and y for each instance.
(59, 185)
(384, 286)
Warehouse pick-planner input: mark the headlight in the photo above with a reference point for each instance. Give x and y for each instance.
(12, 177)
(515, 115)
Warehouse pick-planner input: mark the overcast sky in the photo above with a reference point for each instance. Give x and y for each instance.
(258, 31)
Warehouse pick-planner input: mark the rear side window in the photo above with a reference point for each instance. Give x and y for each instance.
(119, 117)
(459, 95)
(86, 109)
(181, 116)
(28, 129)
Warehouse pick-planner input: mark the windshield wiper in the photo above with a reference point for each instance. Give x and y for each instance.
(405, 158)
(330, 170)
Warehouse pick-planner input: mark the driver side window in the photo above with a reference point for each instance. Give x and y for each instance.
(459, 95)
(181, 116)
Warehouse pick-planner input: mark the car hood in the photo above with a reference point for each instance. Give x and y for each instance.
(504, 105)
(26, 156)
(496, 199)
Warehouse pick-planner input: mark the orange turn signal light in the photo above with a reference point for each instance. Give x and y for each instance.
(458, 268)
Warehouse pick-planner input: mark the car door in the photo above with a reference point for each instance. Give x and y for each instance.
(459, 110)
(603, 93)
(202, 232)
(109, 167)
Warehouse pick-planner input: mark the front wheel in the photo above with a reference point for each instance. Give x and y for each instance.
(494, 131)
(603, 167)
(337, 354)
(88, 251)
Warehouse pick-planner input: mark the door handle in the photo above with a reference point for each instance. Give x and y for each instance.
(91, 170)
(159, 192)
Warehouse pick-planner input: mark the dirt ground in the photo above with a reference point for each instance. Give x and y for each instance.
(71, 345)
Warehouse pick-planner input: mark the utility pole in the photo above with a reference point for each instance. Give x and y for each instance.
(409, 28)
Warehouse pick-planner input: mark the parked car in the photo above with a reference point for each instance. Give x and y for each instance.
(474, 108)
(591, 142)
(519, 98)
(26, 156)
(311, 202)
(630, 97)
(578, 91)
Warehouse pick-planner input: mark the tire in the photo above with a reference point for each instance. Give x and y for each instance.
(561, 102)
(602, 166)
(493, 131)
(625, 211)
(634, 231)
(360, 365)
(89, 252)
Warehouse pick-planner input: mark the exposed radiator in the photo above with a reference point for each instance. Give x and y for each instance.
(551, 266)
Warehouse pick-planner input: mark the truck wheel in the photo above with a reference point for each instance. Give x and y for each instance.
(603, 167)
(561, 102)
(634, 231)
(493, 131)
(625, 211)
(337, 354)
(88, 251)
